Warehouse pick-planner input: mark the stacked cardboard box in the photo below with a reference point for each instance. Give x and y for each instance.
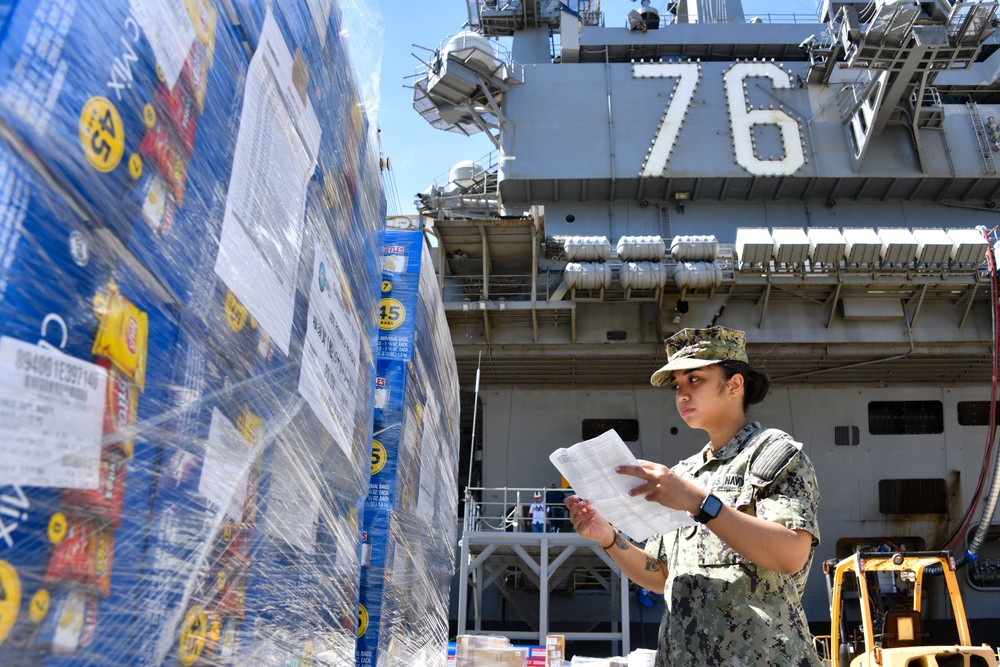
(555, 650)
(190, 230)
(488, 651)
(410, 514)
(85, 350)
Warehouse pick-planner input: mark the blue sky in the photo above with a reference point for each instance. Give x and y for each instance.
(421, 155)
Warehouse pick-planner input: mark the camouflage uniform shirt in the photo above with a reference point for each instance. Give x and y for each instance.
(721, 608)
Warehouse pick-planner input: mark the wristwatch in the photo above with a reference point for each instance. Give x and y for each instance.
(710, 508)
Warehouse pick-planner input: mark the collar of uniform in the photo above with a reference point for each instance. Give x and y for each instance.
(733, 447)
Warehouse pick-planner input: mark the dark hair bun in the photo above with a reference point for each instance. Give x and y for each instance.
(755, 388)
(755, 383)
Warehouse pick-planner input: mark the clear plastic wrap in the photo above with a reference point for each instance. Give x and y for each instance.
(409, 521)
(190, 240)
(85, 358)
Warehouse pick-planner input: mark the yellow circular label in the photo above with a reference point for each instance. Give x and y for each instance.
(378, 457)
(10, 598)
(39, 607)
(149, 115)
(227, 531)
(135, 166)
(193, 632)
(391, 314)
(236, 312)
(159, 73)
(362, 620)
(386, 286)
(57, 528)
(102, 135)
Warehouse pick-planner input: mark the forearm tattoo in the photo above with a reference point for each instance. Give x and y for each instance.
(621, 542)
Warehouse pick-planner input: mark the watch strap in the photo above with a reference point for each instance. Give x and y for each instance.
(710, 508)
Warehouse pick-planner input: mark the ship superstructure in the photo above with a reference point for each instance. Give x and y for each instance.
(828, 185)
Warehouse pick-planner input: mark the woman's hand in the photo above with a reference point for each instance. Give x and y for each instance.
(637, 565)
(762, 542)
(588, 522)
(661, 485)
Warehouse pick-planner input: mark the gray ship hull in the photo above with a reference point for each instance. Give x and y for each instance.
(829, 187)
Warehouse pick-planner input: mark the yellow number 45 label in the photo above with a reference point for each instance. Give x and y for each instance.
(391, 314)
(102, 135)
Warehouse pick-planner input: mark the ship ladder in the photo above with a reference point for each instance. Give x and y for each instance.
(984, 142)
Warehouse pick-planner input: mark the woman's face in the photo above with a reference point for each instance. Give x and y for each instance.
(702, 395)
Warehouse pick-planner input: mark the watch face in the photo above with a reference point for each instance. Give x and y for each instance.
(711, 506)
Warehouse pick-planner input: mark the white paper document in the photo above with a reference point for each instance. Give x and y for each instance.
(331, 353)
(227, 462)
(589, 466)
(293, 503)
(274, 159)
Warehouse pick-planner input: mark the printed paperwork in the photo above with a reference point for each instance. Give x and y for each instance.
(589, 466)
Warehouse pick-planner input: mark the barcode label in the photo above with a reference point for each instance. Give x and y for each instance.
(54, 388)
(51, 417)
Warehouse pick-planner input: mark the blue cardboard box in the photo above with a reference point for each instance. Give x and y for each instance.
(84, 353)
(402, 252)
(131, 111)
(198, 554)
(297, 601)
(347, 170)
(410, 510)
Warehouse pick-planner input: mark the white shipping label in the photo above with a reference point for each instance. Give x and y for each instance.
(275, 156)
(331, 353)
(293, 500)
(169, 31)
(430, 456)
(228, 457)
(51, 417)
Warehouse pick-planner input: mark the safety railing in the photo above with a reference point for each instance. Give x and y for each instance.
(502, 288)
(766, 17)
(505, 509)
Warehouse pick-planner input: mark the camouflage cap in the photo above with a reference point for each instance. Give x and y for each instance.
(694, 348)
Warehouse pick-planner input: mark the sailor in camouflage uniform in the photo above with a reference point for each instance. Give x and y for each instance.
(733, 583)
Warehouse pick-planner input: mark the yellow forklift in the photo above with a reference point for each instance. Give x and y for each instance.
(875, 613)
